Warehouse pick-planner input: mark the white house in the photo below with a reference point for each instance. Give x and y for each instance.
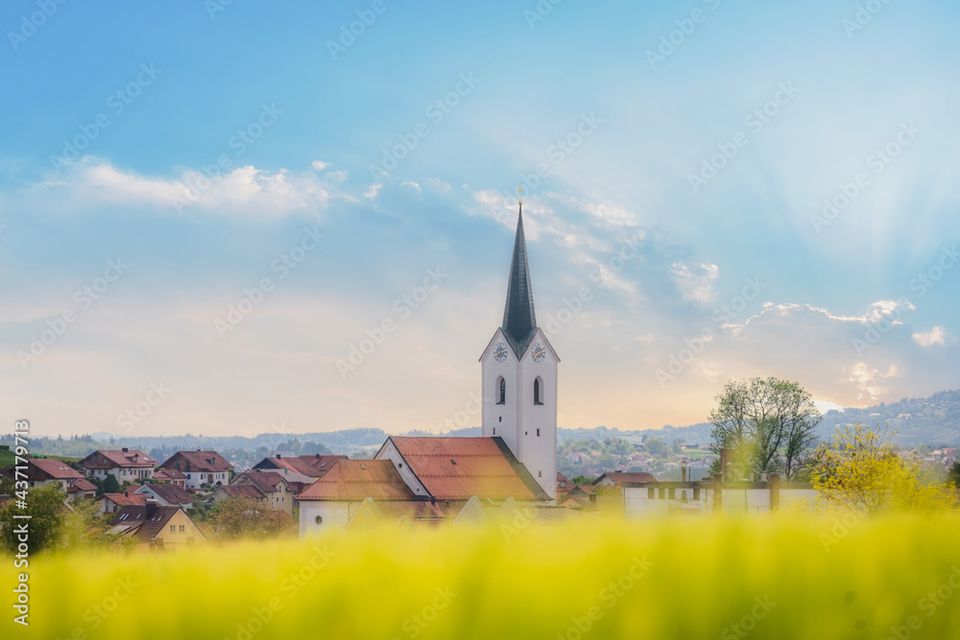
(201, 468)
(126, 465)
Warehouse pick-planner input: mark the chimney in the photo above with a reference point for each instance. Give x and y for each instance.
(683, 472)
(774, 491)
(278, 456)
(149, 509)
(125, 450)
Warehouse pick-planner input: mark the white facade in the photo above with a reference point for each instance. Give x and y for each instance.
(196, 479)
(123, 474)
(654, 500)
(527, 423)
(389, 452)
(317, 516)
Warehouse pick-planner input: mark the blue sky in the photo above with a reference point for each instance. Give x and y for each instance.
(206, 208)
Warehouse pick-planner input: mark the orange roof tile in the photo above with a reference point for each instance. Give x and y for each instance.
(454, 468)
(359, 479)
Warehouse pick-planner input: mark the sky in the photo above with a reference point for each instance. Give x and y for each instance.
(236, 217)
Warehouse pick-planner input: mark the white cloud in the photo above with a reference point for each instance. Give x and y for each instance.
(936, 337)
(869, 381)
(319, 165)
(373, 191)
(410, 184)
(696, 282)
(92, 182)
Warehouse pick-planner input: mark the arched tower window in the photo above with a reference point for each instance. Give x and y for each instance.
(501, 390)
(538, 391)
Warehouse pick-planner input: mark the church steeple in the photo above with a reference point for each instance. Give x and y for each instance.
(519, 318)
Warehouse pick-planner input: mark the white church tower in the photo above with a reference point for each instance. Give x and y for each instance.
(519, 378)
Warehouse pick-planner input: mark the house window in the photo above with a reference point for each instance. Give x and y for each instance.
(173, 528)
(537, 391)
(501, 390)
(183, 528)
(651, 493)
(672, 493)
(696, 493)
(494, 431)
(318, 519)
(539, 474)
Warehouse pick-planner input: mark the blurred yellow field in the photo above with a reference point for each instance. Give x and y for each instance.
(758, 577)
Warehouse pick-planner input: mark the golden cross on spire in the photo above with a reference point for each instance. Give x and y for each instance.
(520, 192)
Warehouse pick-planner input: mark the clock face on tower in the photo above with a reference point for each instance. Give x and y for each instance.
(500, 352)
(539, 353)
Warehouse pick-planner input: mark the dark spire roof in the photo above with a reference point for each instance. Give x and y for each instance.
(519, 318)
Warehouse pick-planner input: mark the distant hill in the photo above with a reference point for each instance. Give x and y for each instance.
(932, 421)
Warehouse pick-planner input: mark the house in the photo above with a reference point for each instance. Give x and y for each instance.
(305, 469)
(126, 465)
(170, 476)
(277, 492)
(81, 489)
(201, 468)
(456, 469)
(166, 495)
(113, 502)
(621, 478)
(156, 526)
(248, 491)
(42, 472)
(335, 498)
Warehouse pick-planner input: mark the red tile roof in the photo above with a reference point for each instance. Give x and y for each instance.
(621, 478)
(358, 479)
(197, 462)
(81, 486)
(166, 475)
(125, 499)
(169, 493)
(112, 458)
(458, 468)
(242, 491)
(51, 469)
(266, 481)
(312, 466)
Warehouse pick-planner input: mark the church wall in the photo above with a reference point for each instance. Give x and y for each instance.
(539, 453)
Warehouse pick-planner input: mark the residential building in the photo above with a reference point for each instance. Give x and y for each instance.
(304, 469)
(113, 502)
(277, 492)
(156, 526)
(166, 495)
(715, 495)
(126, 465)
(621, 478)
(200, 468)
(170, 476)
(42, 472)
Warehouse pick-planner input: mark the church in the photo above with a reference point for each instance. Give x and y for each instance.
(514, 461)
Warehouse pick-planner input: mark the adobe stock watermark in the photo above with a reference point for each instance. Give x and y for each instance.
(927, 606)
(290, 587)
(75, 147)
(725, 314)
(465, 416)
(197, 183)
(863, 15)
(83, 299)
(435, 113)
(402, 308)
(754, 122)
(572, 306)
(609, 596)
(743, 627)
(876, 163)
(31, 23)
(683, 29)
(414, 625)
(560, 151)
(350, 33)
(920, 285)
(533, 16)
(280, 268)
(136, 414)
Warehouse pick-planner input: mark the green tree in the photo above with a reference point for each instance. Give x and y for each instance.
(860, 472)
(953, 476)
(46, 509)
(109, 485)
(767, 423)
(243, 518)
